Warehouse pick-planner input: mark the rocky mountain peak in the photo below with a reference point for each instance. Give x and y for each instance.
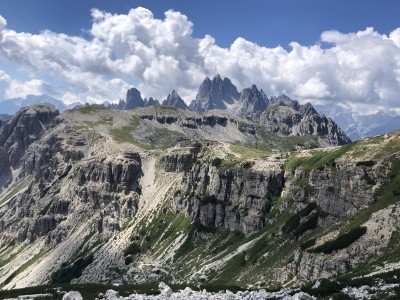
(151, 102)
(214, 94)
(252, 102)
(27, 126)
(174, 99)
(287, 117)
(133, 99)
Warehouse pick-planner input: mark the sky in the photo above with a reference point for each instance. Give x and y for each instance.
(94, 50)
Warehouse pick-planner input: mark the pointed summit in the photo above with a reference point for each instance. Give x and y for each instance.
(214, 94)
(133, 99)
(252, 102)
(174, 99)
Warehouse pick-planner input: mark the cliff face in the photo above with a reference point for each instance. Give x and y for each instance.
(302, 121)
(26, 127)
(165, 194)
(233, 198)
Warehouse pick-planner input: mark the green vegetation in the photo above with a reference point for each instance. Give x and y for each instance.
(342, 241)
(210, 199)
(216, 162)
(146, 138)
(246, 153)
(367, 163)
(68, 272)
(132, 249)
(309, 224)
(318, 160)
(89, 109)
(307, 244)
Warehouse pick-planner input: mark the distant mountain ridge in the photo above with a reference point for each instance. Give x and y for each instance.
(11, 106)
(358, 126)
(294, 119)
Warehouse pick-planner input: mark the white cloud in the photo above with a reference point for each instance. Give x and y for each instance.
(10, 88)
(158, 55)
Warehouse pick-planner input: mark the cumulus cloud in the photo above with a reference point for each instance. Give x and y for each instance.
(10, 88)
(158, 55)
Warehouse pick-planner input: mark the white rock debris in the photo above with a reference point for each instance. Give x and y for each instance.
(167, 293)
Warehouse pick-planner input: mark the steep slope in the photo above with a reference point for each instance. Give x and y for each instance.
(175, 100)
(160, 193)
(302, 120)
(217, 93)
(26, 127)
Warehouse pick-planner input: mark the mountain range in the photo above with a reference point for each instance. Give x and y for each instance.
(159, 193)
(11, 106)
(358, 126)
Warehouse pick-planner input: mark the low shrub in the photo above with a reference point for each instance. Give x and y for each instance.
(367, 163)
(309, 208)
(128, 260)
(291, 224)
(310, 223)
(342, 241)
(66, 273)
(216, 162)
(132, 249)
(307, 244)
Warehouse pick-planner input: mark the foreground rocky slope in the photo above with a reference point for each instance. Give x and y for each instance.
(158, 193)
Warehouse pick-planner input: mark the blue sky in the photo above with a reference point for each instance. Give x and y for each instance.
(267, 23)
(66, 49)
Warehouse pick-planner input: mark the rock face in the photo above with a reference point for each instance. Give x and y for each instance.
(112, 196)
(252, 102)
(133, 99)
(233, 198)
(26, 127)
(214, 94)
(151, 102)
(277, 114)
(300, 120)
(175, 100)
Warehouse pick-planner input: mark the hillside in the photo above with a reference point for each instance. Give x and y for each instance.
(97, 195)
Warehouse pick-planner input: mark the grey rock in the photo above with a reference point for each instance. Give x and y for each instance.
(213, 94)
(151, 102)
(233, 198)
(175, 100)
(252, 103)
(133, 99)
(165, 290)
(72, 295)
(288, 121)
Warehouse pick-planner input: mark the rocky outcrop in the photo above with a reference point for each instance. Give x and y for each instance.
(133, 99)
(181, 159)
(340, 189)
(252, 102)
(26, 127)
(175, 100)
(233, 198)
(151, 102)
(300, 120)
(214, 94)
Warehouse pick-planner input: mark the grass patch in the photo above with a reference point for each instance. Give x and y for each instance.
(318, 160)
(89, 109)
